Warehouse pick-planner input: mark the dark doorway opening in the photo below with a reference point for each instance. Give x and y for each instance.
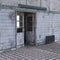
(28, 28)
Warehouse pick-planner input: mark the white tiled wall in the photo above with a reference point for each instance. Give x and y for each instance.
(45, 3)
(7, 29)
(33, 2)
(16, 2)
(56, 26)
(47, 24)
(52, 5)
(55, 5)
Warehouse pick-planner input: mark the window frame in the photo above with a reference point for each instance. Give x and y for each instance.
(20, 29)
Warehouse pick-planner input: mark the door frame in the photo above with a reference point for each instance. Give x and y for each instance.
(33, 27)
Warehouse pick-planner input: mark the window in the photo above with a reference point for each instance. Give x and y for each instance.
(29, 23)
(18, 19)
(19, 23)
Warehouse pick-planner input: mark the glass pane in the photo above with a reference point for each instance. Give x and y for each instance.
(29, 23)
(21, 18)
(21, 24)
(18, 17)
(18, 25)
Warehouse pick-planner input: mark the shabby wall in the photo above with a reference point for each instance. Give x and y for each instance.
(51, 5)
(7, 29)
(47, 24)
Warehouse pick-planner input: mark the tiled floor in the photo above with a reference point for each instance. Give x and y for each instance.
(53, 47)
(30, 53)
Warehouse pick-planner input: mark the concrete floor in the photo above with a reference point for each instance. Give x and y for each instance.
(42, 52)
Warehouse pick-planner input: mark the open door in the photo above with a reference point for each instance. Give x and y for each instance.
(29, 29)
(20, 29)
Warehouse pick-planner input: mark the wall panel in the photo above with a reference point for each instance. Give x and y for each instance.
(7, 29)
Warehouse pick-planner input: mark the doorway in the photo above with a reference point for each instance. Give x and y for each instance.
(25, 28)
(29, 28)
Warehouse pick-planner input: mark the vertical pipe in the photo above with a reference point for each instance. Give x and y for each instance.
(49, 6)
(26, 2)
(40, 3)
(15, 30)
